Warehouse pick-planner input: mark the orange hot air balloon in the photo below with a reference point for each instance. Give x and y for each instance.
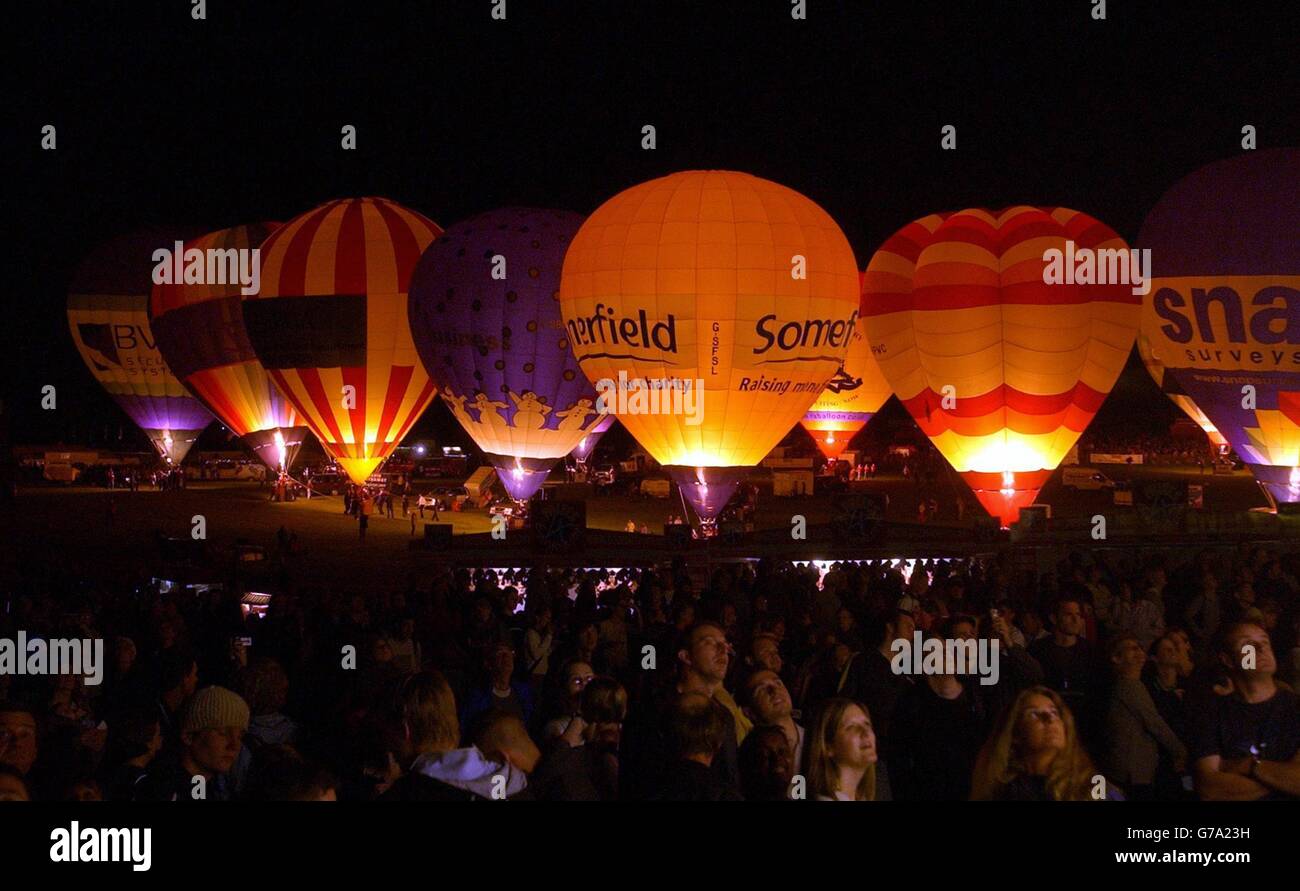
(330, 325)
(850, 400)
(709, 308)
(1169, 386)
(200, 332)
(1000, 369)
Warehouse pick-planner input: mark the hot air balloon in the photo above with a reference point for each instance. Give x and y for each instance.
(1168, 385)
(329, 325)
(849, 401)
(709, 308)
(1000, 369)
(582, 451)
(108, 312)
(1224, 310)
(200, 331)
(485, 316)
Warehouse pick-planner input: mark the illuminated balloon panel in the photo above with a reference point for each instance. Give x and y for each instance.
(108, 314)
(485, 315)
(1000, 369)
(200, 328)
(1224, 310)
(582, 451)
(732, 297)
(850, 400)
(1168, 385)
(330, 325)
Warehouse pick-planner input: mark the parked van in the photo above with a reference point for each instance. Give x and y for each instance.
(1086, 478)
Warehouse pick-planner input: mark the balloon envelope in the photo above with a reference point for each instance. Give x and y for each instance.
(201, 333)
(730, 297)
(851, 398)
(1224, 311)
(108, 314)
(485, 317)
(1000, 369)
(330, 327)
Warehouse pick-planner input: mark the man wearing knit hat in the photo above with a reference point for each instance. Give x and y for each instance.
(212, 734)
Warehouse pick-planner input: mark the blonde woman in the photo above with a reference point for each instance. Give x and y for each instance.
(842, 753)
(1034, 754)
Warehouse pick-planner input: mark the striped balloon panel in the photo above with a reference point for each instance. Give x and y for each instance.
(201, 331)
(330, 325)
(1002, 370)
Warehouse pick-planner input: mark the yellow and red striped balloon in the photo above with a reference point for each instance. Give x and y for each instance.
(1001, 370)
(200, 332)
(330, 325)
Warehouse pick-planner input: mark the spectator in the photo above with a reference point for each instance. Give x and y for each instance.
(1034, 754)
(500, 693)
(211, 737)
(766, 765)
(767, 704)
(1246, 743)
(1135, 732)
(697, 732)
(841, 760)
(1066, 657)
(438, 770)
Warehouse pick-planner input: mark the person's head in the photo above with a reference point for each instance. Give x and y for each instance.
(766, 765)
(576, 674)
(587, 636)
(959, 627)
(901, 626)
(18, 740)
(500, 659)
(135, 734)
(1068, 618)
(505, 740)
(178, 673)
(1035, 736)
(279, 773)
(765, 651)
(84, 789)
(212, 729)
(704, 653)
(696, 730)
(266, 686)
(842, 742)
(603, 708)
(428, 713)
(1246, 651)
(1167, 655)
(1126, 656)
(12, 785)
(765, 697)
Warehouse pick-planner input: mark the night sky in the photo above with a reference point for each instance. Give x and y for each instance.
(165, 120)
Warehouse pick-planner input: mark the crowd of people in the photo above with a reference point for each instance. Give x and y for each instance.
(1129, 677)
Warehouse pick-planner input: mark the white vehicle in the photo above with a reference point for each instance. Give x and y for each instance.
(1086, 478)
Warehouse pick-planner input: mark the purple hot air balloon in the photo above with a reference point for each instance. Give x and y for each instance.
(485, 317)
(108, 314)
(1223, 316)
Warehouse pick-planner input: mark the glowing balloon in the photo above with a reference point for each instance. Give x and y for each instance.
(1000, 369)
(1224, 310)
(485, 316)
(108, 313)
(329, 325)
(849, 401)
(710, 308)
(201, 333)
(1168, 385)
